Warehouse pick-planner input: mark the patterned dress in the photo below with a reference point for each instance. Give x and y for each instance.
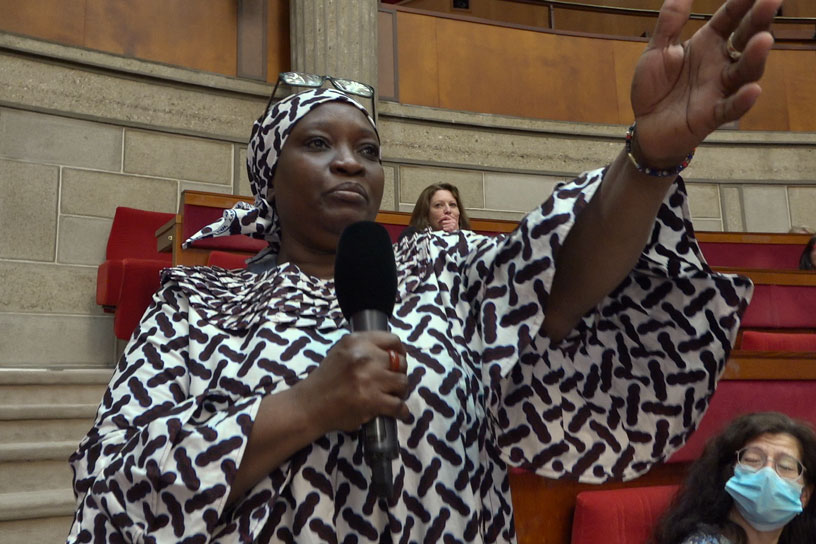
(488, 390)
(706, 538)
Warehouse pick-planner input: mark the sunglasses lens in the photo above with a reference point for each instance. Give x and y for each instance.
(300, 79)
(354, 87)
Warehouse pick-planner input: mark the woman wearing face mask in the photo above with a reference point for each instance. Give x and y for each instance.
(752, 485)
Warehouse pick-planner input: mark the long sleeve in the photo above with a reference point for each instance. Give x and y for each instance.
(630, 383)
(158, 462)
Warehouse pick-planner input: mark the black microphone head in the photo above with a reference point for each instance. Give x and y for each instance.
(365, 275)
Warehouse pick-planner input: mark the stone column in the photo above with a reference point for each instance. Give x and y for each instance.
(335, 37)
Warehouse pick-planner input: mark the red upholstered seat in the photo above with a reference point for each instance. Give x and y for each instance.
(734, 398)
(778, 341)
(126, 281)
(228, 260)
(781, 307)
(775, 256)
(619, 516)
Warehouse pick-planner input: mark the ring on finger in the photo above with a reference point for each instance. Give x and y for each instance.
(394, 362)
(733, 53)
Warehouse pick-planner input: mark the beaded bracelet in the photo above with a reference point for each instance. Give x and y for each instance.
(648, 170)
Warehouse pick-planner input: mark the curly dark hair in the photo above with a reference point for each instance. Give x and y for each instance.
(422, 209)
(805, 262)
(702, 502)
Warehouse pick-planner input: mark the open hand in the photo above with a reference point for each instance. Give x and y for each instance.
(682, 92)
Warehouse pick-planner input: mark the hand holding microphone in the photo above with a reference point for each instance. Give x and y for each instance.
(357, 381)
(365, 279)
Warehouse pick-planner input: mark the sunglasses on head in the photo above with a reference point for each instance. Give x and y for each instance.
(315, 81)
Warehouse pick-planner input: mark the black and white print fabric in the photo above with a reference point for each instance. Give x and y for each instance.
(706, 538)
(488, 390)
(269, 134)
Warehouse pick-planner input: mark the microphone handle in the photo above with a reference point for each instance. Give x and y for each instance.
(379, 434)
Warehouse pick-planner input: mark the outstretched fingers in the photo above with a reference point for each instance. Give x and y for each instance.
(673, 16)
(750, 66)
(736, 105)
(756, 21)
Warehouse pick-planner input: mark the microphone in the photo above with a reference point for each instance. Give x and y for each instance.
(365, 279)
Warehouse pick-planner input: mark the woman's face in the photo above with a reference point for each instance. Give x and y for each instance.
(328, 176)
(444, 212)
(775, 447)
(813, 255)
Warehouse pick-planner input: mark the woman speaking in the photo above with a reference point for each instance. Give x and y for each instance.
(234, 413)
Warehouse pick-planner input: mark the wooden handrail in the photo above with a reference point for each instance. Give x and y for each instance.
(770, 365)
(212, 200)
(479, 225)
(753, 237)
(641, 12)
(765, 276)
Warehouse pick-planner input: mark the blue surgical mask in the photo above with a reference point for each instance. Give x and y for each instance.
(766, 500)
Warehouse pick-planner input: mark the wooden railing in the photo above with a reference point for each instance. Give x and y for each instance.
(554, 5)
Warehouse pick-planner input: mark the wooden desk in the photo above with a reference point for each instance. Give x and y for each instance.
(166, 234)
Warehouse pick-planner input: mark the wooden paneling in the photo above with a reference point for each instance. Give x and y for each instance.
(771, 110)
(518, 13)
(61, 21)
(200, 35)
(626, 55)
(417, 59)
(277, 39)
(251, 35)
(477, 67)
(386, 55)
(800, 87)
(473, 66)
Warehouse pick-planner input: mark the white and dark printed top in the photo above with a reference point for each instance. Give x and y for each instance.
(488, 391)
(703, 537)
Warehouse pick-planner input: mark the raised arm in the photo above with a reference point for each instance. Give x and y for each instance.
(681, 92)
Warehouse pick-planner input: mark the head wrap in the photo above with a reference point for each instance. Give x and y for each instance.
(269, 134)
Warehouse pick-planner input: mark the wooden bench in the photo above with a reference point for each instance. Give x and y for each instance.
(200, 208)
(766, 250)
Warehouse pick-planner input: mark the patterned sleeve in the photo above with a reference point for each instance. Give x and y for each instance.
(633, 379)
(158, 463)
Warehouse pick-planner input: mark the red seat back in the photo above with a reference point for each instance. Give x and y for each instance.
(227, 259)
(619, 516)
(776, 256)
(133, 235)
(782, 306)
(734, 398)
(778, 341)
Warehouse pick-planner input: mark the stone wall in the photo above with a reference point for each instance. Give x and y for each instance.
(83, 132)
